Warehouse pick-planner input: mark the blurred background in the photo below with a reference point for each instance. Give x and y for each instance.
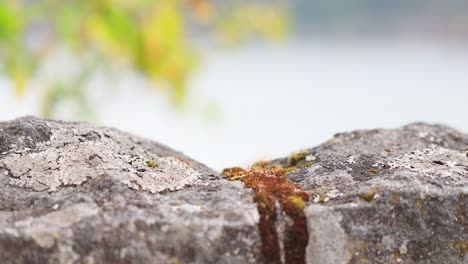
(231, 82)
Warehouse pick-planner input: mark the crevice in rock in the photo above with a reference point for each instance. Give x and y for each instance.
(271, 187)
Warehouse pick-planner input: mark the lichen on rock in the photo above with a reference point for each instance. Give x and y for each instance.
(72, 156)
(78, 193)
(399, 196)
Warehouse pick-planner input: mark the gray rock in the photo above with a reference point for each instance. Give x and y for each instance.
(76, 193)
(388, 196)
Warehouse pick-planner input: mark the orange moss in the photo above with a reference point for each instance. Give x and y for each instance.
(271, 186)
(234, 174)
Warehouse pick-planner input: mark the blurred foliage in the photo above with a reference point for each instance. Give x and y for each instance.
(149, 36)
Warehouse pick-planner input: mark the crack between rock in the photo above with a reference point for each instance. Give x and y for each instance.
(277, 196)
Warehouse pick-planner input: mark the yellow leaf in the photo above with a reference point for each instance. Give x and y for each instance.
(20, 82)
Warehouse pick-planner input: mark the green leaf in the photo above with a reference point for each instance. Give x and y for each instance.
(10, 23)
(68, 25)
(20, 65)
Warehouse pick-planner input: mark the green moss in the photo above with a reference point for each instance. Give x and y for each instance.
(322, 198)
(151, 164)
(234, 174)
(260, 165)
(461, 247)
(394, 199)
(359, 252)
(419, 203)
(296, 167)
(398, 258)
(289, 169)
(369, 196)
(295, 162)
(295, 158)
(297, 202)
(271, 188)
(363, 251)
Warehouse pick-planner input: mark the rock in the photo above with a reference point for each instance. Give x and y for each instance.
(388, 196)
(76, 193)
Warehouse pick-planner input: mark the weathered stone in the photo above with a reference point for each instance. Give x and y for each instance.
(76, 193)
(388, 196)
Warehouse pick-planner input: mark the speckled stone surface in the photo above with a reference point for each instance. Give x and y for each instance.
(388, 196)
(76, 193)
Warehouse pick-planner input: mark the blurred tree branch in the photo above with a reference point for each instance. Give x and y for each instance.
(149, 36)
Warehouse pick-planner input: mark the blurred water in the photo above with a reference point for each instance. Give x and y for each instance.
(279, 99)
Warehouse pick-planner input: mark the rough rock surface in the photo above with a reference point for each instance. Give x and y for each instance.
(388, 196)
(76, 193)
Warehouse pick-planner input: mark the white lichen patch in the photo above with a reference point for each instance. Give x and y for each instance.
(329, 181)
(174, 176)
(434, 163)
(65, 254)
(310, 157)
(47, 228)
(351, 160)
(74, 156)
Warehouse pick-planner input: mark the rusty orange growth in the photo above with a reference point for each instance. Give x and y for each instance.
(272, 187)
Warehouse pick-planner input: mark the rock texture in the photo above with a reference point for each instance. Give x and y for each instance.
(388, 196)
(76, 193)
